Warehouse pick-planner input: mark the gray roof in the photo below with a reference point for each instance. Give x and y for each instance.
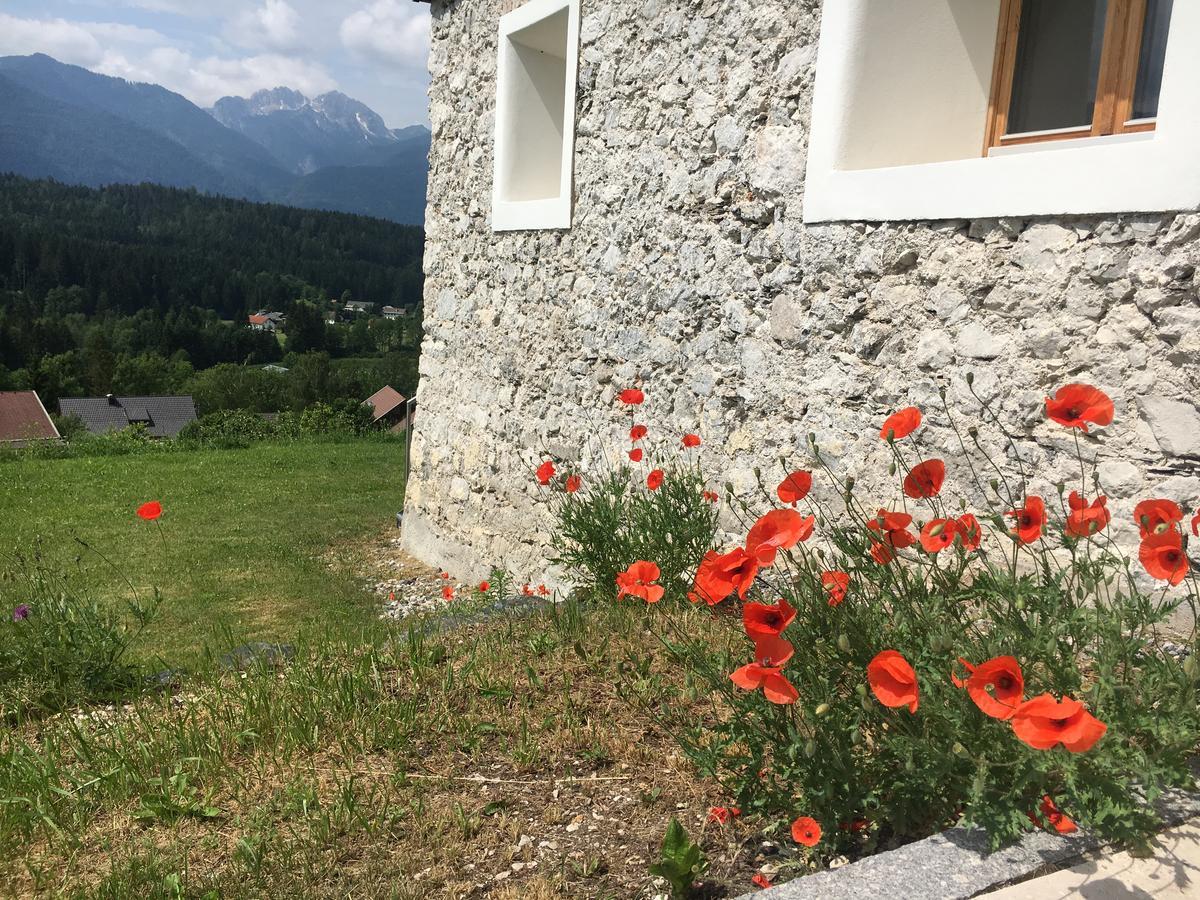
(162, 416)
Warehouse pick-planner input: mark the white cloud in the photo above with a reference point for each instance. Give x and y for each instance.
(66, 41)
(204, 80)
(393, 32)
(274, 25)
(141, 54)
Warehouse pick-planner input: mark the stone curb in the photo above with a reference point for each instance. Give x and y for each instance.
(955, 864)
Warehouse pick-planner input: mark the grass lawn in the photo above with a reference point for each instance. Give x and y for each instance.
(245, 541)
(523, 757)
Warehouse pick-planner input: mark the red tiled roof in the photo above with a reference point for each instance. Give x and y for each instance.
(385, 400)
(258, 320)
(23, 418)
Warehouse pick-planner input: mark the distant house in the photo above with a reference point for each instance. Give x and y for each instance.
(24, 420)
(278, 370)
(162, 417)
(267, 321)
(392, 312)
(359, 307)
(391, 408)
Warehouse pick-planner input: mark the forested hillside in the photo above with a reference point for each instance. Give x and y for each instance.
(139, 287)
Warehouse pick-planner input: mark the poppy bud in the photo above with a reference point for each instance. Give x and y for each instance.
(942, 392)
(850, 483)
(970, 378)
(822, 709)
(1191, 667)
(861, 690)
(728, 489)
(1019, 603)
(973, 431)
(812, 438)
(810, 749)
(995, 485)
(958, 749)
(892, 468)
(757, 474)
(1061, 487)
(844, 644)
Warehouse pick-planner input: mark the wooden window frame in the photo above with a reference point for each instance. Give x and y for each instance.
(1115, 85)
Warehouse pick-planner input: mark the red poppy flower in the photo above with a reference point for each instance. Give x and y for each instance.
(1163, 558)
(760, 880)
(1044, 722)
(806, 831)
(780, 529)
(776, 688)
(691, 440)
(447, 593)
(545, 472)
(961, 682)
(762, 618)
(542, 591)
(969, 532)
(882, 553)
(711, 496)
(925, 479)
(1029, 520)
(1084, 520)
(771, 651)
(894, 528)
(1075, 405)
(150, 511)
(636, 454)
(893, 681)
(638, 581)
(720, 815)
(901, 424)
(1059, 821)
(484, 587)
(938, 534)
(574, 482)
(655, 479)
(836, 584)
(637, 432)
(720, 574)
(795, 487)
(527, 589)
(445, 576)
(997, 687)
(632, 397)
(1156, 516)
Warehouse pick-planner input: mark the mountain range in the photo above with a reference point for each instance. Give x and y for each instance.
(329, 152)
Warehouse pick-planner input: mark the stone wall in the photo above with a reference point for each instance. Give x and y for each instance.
(689, 271)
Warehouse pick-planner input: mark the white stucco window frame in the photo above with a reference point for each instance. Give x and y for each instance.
(520, 99)
(1151, 172)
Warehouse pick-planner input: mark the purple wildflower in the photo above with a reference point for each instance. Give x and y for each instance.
(21, 612)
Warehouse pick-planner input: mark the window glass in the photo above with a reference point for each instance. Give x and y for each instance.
(1058, 64)
(1150, 66)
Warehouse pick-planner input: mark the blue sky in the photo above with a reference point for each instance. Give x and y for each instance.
(373, 50)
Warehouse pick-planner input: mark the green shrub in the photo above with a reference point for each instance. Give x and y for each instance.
(615, 519)
(888, 683)
(58, 648)
(227, 428)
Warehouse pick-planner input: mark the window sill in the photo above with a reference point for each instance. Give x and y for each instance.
(1078, 143)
